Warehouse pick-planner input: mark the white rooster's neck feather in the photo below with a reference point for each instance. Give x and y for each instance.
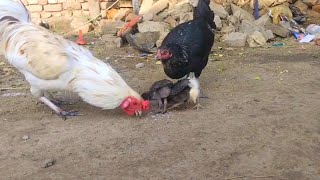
(50, 62)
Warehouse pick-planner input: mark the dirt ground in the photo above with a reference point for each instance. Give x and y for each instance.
(262, 121)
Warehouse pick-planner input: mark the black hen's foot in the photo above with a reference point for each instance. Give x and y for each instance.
(65, 114)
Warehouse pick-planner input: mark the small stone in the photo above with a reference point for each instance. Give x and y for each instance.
(316, 8)
(236, 39)
(121, 14)
(310, 3)
(256, 39)
(218, 22)
(158, 62)
(150, 26)
(139, 65)
(219, 10)
(241, 13)
(148, 16)
(228, 29)
(25, 137)
(301, 6)
(268, 34)
(110, 27)
(233, 20)
(249, 27)
(170, 20)
(47, 163)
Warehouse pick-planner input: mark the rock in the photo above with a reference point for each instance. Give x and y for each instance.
(94, 7)
(150, 26)
(267, 34)
(218, 10)
(256, 39)
(241, 14)
(157, 18)
(301, 6)
(129, 17)
(170, 20)
(148, 16)
(218, 22)
(180, 8)
(47, 163)
(194, 3)
(236, 39)
(277, 30)
(145, 6)
(316, 8)
(184, 17)
(313, 14)
(228, 29)
(78, 22)
(111, 27)
(164, 14)
(262, 20)
(249, 27)
(159, 6)
(112, 41)
(233, 20)
(310, 3)
(121, 14)
(139, 65)
(111, 13)
(162, 36)
(25, 137)
(143, 41)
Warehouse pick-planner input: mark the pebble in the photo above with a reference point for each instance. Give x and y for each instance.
(48, 163)
(139, 65)
(25, 137)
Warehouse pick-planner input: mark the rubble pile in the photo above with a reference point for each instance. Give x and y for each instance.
(236, 25)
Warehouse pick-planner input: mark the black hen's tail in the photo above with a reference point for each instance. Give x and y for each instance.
(203, 11)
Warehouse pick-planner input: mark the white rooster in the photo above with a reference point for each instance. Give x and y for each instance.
(50, 62)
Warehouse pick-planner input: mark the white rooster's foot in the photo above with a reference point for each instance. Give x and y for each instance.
(65, 114)
(198, 106)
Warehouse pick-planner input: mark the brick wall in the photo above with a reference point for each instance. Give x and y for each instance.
(45, 9)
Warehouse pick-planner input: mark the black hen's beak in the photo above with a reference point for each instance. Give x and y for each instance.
(158, 55)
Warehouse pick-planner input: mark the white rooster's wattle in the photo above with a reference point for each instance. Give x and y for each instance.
(50, 62)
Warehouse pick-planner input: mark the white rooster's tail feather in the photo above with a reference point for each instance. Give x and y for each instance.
(14, 10)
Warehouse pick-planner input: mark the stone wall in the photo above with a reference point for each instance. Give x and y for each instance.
(45, 9)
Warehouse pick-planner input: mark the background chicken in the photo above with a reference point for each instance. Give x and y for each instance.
(50, 62)
(187, 47)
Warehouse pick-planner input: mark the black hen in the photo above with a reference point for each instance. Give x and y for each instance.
(187, 47)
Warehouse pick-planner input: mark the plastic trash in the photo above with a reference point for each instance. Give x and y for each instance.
(313, 29)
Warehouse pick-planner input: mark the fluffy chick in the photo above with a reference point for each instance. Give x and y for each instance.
(159, 91)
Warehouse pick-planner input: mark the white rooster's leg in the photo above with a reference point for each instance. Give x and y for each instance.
(63, 114)
(47, 102)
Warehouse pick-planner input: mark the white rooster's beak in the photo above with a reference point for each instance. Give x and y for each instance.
(138, 113)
